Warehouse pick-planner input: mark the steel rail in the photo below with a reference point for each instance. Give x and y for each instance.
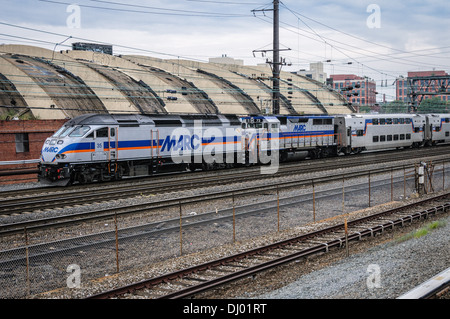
(325, 246)
(185, 183)
(145, 230)
(55, 200)
(99, 214)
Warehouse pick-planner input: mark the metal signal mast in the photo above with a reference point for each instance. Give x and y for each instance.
(276, 63)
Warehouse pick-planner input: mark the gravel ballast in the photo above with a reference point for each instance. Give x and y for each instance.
(258, 235)
(400, 266)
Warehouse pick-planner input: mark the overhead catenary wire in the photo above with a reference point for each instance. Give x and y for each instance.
(159, 11)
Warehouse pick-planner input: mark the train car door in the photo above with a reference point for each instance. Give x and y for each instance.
(100, 140)
(427, 128)
(342, 134)
(154, 150)
(113, 143)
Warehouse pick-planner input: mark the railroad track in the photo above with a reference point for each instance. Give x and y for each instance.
(196, 279)
(238, 173)
(108, 213)
(145, 231)
(80, 195)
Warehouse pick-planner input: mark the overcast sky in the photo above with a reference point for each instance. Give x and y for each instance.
(382, 39)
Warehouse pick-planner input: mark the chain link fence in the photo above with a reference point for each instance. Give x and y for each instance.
(39, 260)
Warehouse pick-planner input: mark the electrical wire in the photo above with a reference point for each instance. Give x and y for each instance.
(171, 12)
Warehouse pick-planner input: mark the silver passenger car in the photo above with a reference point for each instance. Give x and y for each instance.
(357, 133)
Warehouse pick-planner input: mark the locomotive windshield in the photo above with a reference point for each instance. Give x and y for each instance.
(58, 132)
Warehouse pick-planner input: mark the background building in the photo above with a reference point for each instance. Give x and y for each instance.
(360, 91)
(93, 47)
(423, 85)
(224, 59)
(315, 72)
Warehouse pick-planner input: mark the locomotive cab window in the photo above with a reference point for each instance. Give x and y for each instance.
(80, 131)
(103, 132)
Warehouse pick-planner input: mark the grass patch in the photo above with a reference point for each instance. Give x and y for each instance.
(423, 231)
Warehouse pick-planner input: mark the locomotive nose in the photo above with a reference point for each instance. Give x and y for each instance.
(49, 150)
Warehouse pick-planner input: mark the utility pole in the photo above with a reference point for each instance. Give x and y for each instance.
(276, 63)
(276, 59)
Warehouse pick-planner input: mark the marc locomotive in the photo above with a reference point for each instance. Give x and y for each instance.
(102, 147)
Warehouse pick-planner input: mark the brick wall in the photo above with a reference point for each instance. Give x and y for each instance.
(37, 130)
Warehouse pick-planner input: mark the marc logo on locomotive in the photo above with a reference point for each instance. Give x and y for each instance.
(215, 146)
(51, 149)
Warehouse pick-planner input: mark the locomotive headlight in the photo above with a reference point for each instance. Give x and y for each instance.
(60, 156)
(60, 142)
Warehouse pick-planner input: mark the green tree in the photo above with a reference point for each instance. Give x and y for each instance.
(433, 105)
(365, 109)
(396, 106)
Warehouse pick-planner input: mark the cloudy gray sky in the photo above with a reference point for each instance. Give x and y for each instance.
(382, 39)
